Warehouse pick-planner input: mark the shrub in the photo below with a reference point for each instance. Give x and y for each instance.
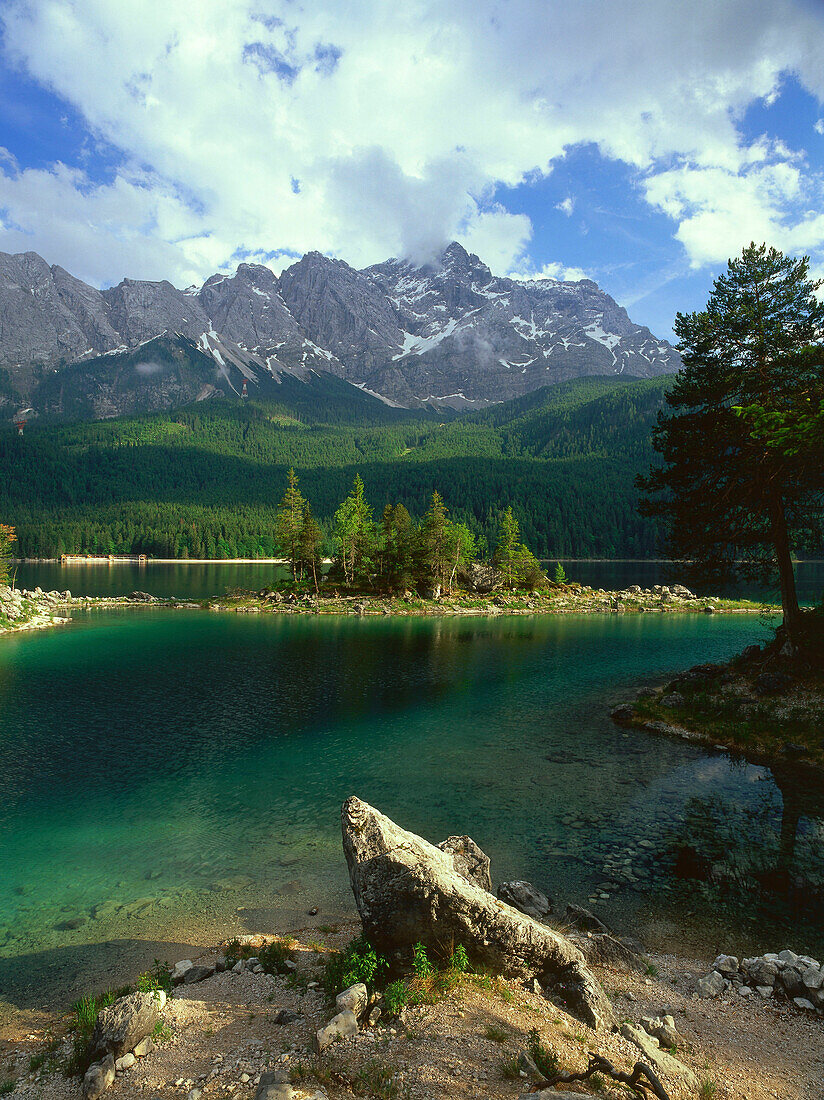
(545, 1060)
(421, 965)
(358, 962)
(275, 955)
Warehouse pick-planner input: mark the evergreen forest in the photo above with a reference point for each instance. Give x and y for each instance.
(205, 480)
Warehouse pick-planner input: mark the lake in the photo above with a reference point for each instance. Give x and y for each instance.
(198, 580)
(174, 777)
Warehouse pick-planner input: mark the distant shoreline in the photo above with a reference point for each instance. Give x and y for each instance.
(125, 560)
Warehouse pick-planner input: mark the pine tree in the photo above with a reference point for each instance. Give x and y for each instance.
(434, 555)
(508, 532)
(354, 536)
(732, 502)
(309, 545)
(560, 574)
(289, 522)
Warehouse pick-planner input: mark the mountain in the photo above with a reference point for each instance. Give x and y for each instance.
(448, 333)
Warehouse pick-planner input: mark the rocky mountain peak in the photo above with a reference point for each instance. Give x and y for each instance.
(449, 331)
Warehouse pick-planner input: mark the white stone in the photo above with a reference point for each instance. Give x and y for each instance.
(126, 1062)
(341, 1026)
(144, 1047)
(712, 985)
(802, 1002)
(355, 998)
(765, 991)
(179, 971)
(813, 978)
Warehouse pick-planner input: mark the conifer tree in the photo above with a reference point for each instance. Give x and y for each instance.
(398, 534)
(732, 502)
(354, 535)
(289, 522)
(434, 543)
(508, 531)
(309, 545)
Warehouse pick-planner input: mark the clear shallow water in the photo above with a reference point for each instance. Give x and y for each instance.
(174, 776)
(194, 580)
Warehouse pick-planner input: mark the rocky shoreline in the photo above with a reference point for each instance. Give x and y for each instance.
(21, 609)
(761, 705)
(488, 995)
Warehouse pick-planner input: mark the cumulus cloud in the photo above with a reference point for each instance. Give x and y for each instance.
(247, 128)
(567, 206)
(555, 272)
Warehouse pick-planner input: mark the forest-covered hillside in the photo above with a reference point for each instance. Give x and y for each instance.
(204, 480)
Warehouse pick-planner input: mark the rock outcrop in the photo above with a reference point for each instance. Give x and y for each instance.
(469, 860)
(408, 891)
(122, 1025)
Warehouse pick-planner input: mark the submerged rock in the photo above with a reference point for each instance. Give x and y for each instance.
(408, 891)
(524, 896)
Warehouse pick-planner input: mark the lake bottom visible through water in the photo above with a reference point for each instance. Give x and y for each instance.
(172, 778)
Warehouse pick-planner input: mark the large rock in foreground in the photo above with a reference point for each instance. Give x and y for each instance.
(122, 1025)
(408, 891)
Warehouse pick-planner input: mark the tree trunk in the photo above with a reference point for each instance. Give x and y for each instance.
(786, 574)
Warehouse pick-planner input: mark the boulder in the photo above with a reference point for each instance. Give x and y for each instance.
(98, 1078)
(470, 861)
(661, 1061)
(122, 1025)
(524, 896)
(287, 1016)
(604, 949)
(712, 985)
(726, 965)
(663, 1029)
(341, 1026)
(355, 998)
(144, 1047)
(180, 970)
(408, 891)
(198, 974)
(581, 918)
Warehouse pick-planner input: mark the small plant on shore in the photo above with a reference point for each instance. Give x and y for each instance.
(510, 1068)
(158, 978)
(396, 995)
(546, 1060)
(421, 965)
(86, 1011)
(496, 1034)
(275, 955)
(707, 1090)
(358, 962)
(377, 1079)
(559, 576)
(7, 1086)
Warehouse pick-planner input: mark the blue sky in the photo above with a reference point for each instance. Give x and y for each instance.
(636, 142)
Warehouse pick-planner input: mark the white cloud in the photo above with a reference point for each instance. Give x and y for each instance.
(567, 206)
(556, 272)
(719, 211)
(367, 129)
(818, 126)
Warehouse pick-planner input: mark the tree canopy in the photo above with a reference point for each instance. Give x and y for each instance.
(733, 493)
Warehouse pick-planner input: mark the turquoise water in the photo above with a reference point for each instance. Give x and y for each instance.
(170, 777)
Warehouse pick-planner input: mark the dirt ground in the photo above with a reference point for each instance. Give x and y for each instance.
(222, 1034)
